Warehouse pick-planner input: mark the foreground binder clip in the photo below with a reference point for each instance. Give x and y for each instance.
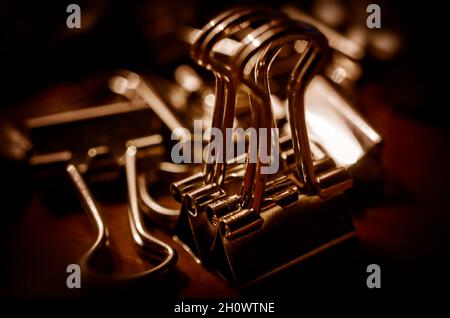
(197, 191)
(208, 186)
(274, 221)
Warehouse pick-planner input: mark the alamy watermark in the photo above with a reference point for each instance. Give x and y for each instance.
(373, 20)
(74, 278)
(191, 150)
(374, 279)
(73, 21)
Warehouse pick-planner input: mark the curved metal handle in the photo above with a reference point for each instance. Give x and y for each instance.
(147, 243)
(99, 257)
(155, 211)
(253, 188)
(252, 191)
(237, 21)
(329, 182)
(217, 29)
(98, 261)
(207, 187)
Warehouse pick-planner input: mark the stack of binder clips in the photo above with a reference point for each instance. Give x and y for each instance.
(280, 200)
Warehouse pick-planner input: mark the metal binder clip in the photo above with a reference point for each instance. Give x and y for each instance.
(335, 129)
(199, 190)
(249, 234)
(236, 240)
(229, 22)
(102, 157)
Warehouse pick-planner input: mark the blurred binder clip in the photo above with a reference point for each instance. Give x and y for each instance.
(98, 149)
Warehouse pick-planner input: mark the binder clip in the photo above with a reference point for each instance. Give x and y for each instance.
(198, 190)
(88, 145)
(267, 223)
